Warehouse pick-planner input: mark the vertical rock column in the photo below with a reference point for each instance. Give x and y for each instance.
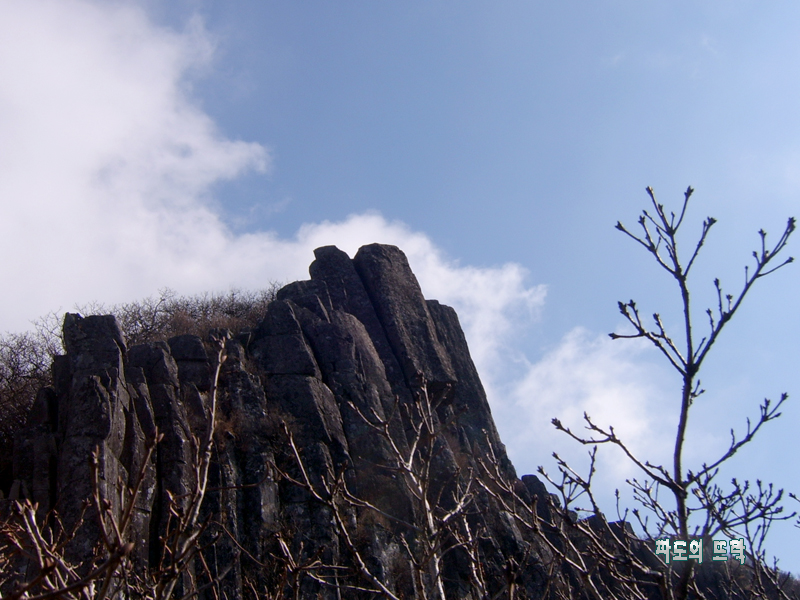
(400, 306)
(95, 414)
(35, 453)
(294, 386)
(347, 294)
(195, 373)
(154, 375)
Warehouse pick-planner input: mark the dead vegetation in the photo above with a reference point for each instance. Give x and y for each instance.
(25, 358)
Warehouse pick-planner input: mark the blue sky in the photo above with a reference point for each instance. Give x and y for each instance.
(207, 145)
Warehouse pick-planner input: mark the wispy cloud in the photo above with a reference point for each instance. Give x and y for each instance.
(613, 382)
(710, 44)
(613, 60)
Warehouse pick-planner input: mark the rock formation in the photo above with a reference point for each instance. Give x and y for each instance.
(354, 346)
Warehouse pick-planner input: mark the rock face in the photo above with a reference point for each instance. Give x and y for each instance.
(342, 365)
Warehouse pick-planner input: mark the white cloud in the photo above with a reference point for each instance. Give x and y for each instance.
(105, 161)
(611, 381)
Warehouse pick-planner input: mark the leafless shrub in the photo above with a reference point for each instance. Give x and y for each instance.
(169, 315)
(25, 358)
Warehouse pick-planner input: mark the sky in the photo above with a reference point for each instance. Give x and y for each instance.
(206, 146)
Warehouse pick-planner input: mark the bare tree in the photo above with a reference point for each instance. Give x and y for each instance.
(695, 506)
(441, 526)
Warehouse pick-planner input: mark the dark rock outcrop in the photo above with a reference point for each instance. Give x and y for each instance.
(334, 359)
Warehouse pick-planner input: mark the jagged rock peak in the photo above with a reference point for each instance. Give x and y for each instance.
(354, 346)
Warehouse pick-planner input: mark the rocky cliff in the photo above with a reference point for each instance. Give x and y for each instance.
(348, 375)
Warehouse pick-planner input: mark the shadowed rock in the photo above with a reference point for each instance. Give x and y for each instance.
(401, 309)
(333, 359)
